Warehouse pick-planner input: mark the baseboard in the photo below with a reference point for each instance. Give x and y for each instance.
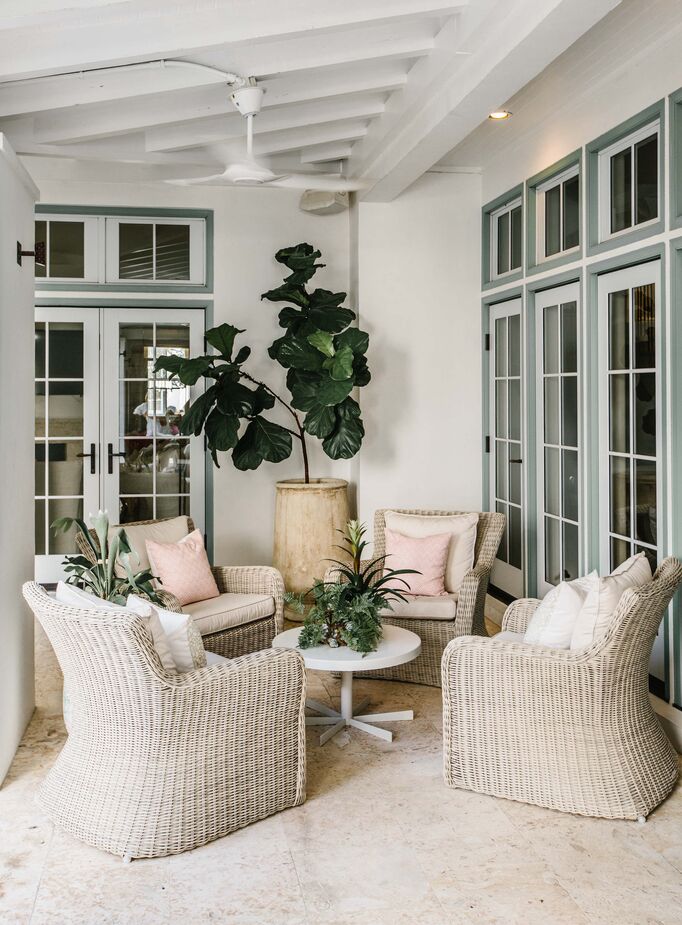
(671, 720)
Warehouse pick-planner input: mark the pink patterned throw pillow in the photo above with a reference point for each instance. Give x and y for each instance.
(427, 554)
(183, 568)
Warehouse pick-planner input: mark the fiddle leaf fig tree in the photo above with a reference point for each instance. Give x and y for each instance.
(325, 359)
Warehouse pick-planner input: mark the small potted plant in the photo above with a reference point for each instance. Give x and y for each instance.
(347, 612)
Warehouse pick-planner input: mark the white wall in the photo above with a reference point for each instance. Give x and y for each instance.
(418, 292)
(250, 226)
(16, 428)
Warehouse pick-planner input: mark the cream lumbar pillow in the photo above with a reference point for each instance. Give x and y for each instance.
(77, 597)
(184, 639)
(553, 623)
(161, 531)
(603, 600)
(462, 529)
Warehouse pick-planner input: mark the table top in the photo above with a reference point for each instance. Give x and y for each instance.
(396, 647)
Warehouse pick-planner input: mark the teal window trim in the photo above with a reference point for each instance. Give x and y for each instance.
(487, 281)
(532, 265)
(42, 209)
(531, 450)
(594, 245)
(207, 306)
(676, 159)
(486, 303)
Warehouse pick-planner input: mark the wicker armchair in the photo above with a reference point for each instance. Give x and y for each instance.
(233, 641)
(156, 764)
(469, 616)
(568, 730)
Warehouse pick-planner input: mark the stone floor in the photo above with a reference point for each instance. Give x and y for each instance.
(380, 841)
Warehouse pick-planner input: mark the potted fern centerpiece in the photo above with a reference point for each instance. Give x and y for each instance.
(347, 612)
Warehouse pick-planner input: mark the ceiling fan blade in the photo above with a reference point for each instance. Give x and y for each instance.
(327, 182)
(217, 179)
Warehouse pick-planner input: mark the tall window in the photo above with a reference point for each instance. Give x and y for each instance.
(506, 237)
(629, 184)
(558, 215)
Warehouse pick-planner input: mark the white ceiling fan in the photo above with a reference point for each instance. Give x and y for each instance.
(247, 100)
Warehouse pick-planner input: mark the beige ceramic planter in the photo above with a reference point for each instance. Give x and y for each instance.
(307, 517)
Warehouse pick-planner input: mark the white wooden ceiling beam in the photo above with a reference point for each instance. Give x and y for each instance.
(82, 38)
(300, 115)
(319, 154)
(451, 93)
(105, 119)
(300, 138)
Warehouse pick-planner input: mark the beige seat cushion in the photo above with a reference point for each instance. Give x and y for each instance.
(165, 531)
(229, 610)
(423, 607)
(508, 636)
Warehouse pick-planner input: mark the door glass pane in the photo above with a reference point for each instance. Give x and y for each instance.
(503, 243)
(501, 408)
(515, 409)
(552, 488)
(645, 414)
(501, 508)
(515, 473)
(135, 350)
(646, 179)
(501, 347)
(167, 506)
(645, 501)
(66, 350)
(515, 548)
(172, 467)
(67, 250)
(552, 409)
(515, 345)
(63, 542)
(569, 480)
(135, 250)
(553, 220)
(40, 468)
(644, 327)
(570, 551)
(516, 238)
(569, 337)
(571, 213)
(172, 397)
(620, 551)
(136, 468)
(552, 551)
(40, 339)
(136, 399)
(40, 409)
(132, 509)
(501, 466)
(569, 410)
(619, 329)
(65, 467)
(619, 413)
(40, 527)
(620, 495)
(65, 409)
(172, 252)
(621, 190)
(551, 339)
(40, 237)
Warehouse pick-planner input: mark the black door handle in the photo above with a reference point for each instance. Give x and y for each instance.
(515, 460)
(92, 456)
(110, 458)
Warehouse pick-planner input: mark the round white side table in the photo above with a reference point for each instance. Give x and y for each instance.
(396, 647)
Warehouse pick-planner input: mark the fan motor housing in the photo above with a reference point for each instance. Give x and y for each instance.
(247, 100)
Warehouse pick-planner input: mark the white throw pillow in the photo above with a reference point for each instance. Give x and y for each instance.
(184, 639)
(602, 603)
(462, 528)
(553, 622)
(77, 597)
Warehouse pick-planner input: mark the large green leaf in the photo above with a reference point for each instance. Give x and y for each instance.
(303, 391)
(296, 353)
(333, 391)
(222, 338)
(290, 316)
(320, 420)
(263, 400)
(346, 438)
(284, 293)
(298, 256)
(170, 364)
(234, 398)
(261, 440)
(352, 337)
(331, 319)
(361, 374)
(242, 355)
(196, 414)
(323, 341)
(222, 431)
(192, 370)
(340, 366)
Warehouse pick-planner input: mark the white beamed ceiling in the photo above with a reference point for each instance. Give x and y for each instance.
(384, 87)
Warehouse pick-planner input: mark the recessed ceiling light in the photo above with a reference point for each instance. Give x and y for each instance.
(500, 115)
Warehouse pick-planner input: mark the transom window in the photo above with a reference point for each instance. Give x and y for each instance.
(506, 236)
(558, 215)
(70, 248)
(629, 187)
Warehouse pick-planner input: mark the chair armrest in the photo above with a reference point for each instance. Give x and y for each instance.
(517, 616)
(253, 579)
(470, 617)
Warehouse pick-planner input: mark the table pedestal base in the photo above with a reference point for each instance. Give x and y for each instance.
(351, 717)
